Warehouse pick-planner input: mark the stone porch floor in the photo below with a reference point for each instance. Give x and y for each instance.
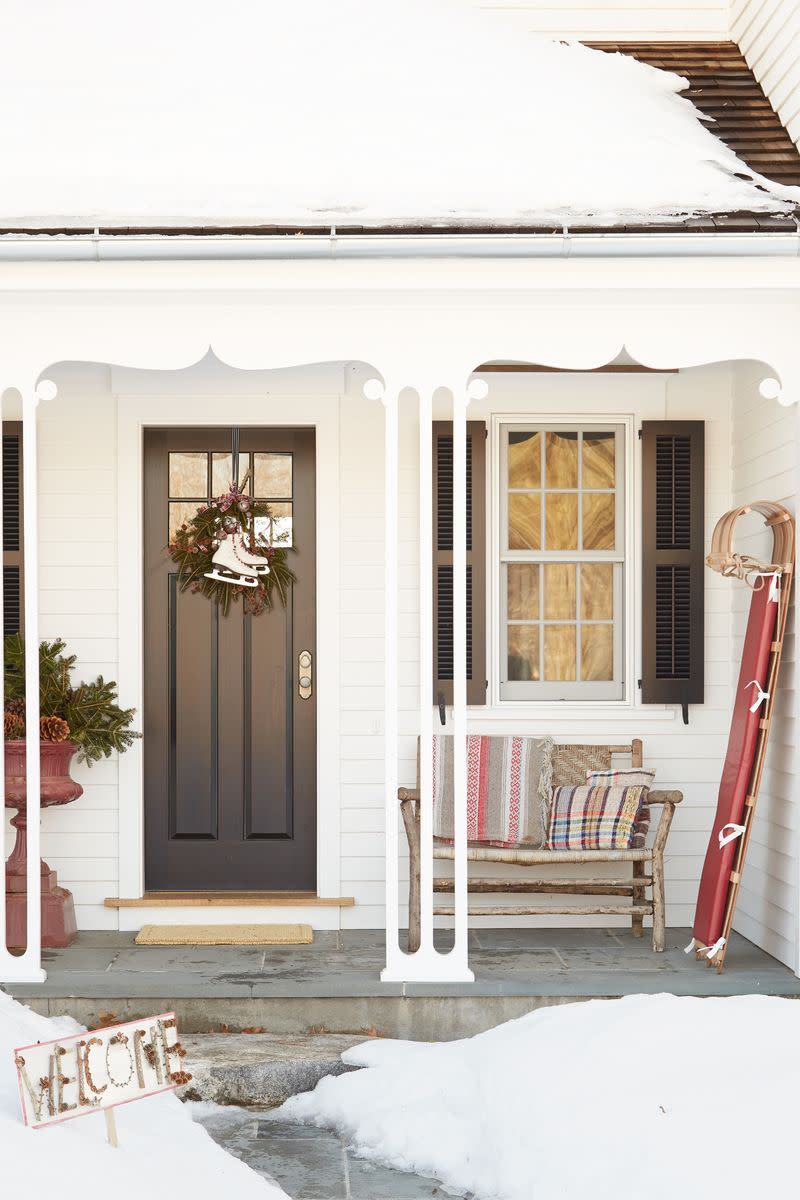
(334, 984)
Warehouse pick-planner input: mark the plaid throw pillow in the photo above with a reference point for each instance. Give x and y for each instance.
(628, 777)
(594, 818)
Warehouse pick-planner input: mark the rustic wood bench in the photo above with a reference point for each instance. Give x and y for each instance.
(570, 764)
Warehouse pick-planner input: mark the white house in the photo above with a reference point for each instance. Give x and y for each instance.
(589, 261)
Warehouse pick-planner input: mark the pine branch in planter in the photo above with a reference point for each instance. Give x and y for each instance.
(97, 725)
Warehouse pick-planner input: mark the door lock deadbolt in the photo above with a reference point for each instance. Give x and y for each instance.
(305, 674)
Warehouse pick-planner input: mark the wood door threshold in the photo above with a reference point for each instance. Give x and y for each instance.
(229, 899)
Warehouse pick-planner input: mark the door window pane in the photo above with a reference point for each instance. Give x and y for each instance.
(524, 460)
(597, 652)
(273, 476)
(559, 652)
(559, 592)
(188, 473)
(222, 474)
(276, 529)
(523, 652)
(523, 592)
(561, 460)
(561, 521)
(599, 466)
(179, 512)
(524, 521)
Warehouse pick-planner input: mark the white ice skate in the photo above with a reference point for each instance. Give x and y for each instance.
(234, 563)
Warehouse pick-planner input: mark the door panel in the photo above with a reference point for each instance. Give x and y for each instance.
(230, 744)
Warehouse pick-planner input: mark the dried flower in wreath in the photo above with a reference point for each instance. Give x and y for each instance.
(13, 726)
(224, 552)
(53, 729)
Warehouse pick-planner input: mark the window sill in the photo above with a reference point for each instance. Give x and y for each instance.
(559, 714)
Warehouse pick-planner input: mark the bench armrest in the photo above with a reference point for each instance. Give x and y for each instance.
(664, 797)
(669, 801)
(404, 794)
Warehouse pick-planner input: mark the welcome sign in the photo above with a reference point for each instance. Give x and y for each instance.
(98, 1070)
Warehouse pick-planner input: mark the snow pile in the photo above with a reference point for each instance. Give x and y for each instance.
(358, 112)
(582, 1100)
(162, 1154)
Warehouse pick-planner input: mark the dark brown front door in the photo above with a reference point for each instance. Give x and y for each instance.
(229, 742)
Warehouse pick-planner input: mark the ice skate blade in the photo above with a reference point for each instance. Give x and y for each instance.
(240, 581)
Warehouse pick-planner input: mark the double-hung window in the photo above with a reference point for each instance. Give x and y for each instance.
(561, 553)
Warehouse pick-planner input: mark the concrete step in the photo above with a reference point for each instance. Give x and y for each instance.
(261, 1069)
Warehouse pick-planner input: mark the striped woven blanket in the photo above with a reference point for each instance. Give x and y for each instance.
(509, 784)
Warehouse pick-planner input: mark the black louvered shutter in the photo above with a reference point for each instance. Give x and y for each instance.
(12, 526)
(443, 562)
(673, 457)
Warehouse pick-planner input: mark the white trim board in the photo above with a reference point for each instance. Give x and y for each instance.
(132, 919)
(134, 413)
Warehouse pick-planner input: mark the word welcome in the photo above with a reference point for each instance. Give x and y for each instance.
(89, 1072)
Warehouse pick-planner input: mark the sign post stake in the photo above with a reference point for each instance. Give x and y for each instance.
(111, 1127)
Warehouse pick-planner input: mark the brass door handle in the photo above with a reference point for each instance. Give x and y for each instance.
(305, 674)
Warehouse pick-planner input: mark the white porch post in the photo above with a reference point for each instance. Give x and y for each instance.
(425, 540)
(27, 967)
(459, 953)
(427, 964)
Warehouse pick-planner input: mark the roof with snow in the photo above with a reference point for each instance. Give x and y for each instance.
(367, 115)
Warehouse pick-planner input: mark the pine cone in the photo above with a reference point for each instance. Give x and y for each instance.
(17, 707)
(53, 729)
(13, 726)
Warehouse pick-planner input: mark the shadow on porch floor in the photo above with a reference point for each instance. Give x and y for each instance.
(335, 982)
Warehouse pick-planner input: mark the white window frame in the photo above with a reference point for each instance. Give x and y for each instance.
(514, 695)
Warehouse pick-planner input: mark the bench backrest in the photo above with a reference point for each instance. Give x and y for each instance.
(571, 762)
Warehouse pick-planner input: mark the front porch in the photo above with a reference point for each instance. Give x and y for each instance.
(334, 984)
(373, 501)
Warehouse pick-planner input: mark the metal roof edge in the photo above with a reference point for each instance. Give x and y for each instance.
(100, 247)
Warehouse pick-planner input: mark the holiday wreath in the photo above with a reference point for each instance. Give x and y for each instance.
(223, 553)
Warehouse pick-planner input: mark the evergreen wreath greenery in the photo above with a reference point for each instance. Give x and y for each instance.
(97, 725)
(193, 546)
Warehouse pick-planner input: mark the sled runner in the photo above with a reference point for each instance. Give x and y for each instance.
(750, 722)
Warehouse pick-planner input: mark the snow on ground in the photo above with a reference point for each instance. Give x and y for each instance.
(162, 1154)
(661, 1096)
(353, 112)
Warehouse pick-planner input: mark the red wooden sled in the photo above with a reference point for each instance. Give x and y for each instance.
(750, 723)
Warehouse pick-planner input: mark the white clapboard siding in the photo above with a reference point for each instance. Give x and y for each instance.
(768, 33)
(77, 436)
(685, 757)
(595, 20)
(764, 464)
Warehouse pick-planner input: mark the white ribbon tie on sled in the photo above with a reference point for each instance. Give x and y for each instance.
(774, 578)
(714, 950)
(760, 698)
(688, 949)
(736, 832)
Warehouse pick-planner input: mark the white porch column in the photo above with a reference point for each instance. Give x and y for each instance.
(27, 968)
(427, 964)
(459, 953)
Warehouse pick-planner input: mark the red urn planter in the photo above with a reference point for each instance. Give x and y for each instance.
(57, 787)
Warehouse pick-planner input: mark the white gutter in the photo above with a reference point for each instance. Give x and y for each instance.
(99, 247)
